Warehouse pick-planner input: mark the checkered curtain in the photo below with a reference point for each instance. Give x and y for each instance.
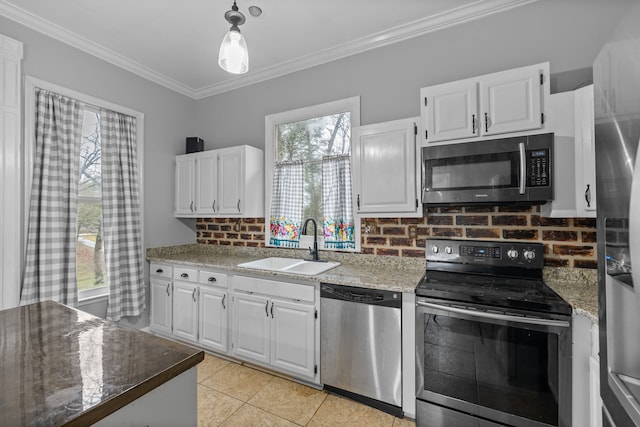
(286, 204)
(337, 218)
(121, 215)
(50, 264)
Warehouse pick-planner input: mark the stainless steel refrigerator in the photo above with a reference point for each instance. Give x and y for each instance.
(616, 73)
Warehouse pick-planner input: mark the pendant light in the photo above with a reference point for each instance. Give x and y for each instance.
(234, 56)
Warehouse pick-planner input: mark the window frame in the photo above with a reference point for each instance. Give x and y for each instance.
(351, 105)
(30, 85)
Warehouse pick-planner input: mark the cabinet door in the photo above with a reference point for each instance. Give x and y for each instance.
(250, 329)
(230, 181)
(206, 182)
(161, 306)
(293, 337)
(214, 318)
(510, 101)
(185, 186)
(384, 168)
(449, 111)
(185, 311)
(585, 152)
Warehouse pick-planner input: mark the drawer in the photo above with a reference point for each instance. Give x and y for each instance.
(213, 278)
(185, 274)
(271, 288)
(161, 270)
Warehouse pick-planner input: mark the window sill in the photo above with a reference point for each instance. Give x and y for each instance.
(92, 295)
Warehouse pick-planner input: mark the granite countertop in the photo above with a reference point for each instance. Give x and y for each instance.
(577, 286)
(61, 366)
(365, 271)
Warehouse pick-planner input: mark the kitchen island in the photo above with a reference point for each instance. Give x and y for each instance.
(62, 366)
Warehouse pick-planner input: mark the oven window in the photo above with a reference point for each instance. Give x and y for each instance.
(513, 370)
(473, 172)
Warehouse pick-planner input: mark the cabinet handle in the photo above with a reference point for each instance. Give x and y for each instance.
(191, 206)
(238, 205)
(193, 295)
(486, 122)
(184, 275)
(473, 123)
(168, 289)
(587, 195)
(211, 279)
(159, 270)
(358, 202)
(213, 206)
(223, 298)
(272, 310)
(266, 308)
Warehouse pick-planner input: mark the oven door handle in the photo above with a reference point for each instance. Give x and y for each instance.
(523, 168)
(497, 316)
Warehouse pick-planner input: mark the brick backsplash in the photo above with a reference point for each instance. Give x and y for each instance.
(569, 242)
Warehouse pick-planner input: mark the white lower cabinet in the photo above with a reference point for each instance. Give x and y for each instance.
(275, 324)
(587, 404)
(267, 322)
(161, 298)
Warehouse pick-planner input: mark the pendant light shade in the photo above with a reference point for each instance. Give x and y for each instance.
(234, 56)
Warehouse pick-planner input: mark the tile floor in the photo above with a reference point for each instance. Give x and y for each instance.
(230, 394)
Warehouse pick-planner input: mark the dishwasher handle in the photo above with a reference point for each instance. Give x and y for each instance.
(361, 295)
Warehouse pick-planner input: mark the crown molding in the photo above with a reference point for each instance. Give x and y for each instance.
(460, 15)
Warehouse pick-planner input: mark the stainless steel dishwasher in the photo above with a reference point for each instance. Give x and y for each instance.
(361, 345)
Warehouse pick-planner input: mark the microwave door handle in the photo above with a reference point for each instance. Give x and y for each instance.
(523, 170)
(497, 316)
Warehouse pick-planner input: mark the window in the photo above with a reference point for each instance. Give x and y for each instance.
(302, 147)
(90, 262)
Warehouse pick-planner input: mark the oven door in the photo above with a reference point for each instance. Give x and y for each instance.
(495, 171)
(483, 365)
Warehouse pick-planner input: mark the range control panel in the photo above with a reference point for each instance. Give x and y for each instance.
(495, 253)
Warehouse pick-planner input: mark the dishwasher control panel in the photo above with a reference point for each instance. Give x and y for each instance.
(360, 295)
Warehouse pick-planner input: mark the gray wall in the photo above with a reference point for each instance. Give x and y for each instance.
(567, 33)
(168, 116)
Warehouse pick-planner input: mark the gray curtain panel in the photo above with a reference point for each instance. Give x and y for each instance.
(338, 223)
(121, 215)
(286, 204)
(50, 264)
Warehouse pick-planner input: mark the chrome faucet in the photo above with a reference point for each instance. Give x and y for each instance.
(313, 251)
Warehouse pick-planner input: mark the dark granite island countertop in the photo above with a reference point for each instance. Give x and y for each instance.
(61, 366)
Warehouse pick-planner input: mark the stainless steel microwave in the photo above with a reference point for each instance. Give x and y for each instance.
(498, 171)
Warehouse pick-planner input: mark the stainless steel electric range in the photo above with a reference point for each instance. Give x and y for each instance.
(493, 340)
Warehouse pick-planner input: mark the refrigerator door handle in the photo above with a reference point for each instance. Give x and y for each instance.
(634, 228)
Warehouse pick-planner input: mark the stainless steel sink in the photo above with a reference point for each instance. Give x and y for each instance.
(291, 265)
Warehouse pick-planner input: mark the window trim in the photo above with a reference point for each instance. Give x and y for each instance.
(30, 85)
(352, 105)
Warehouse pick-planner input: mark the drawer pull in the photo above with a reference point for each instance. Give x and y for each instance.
(184, 275)
(223, 298)
(159, 270)
(212, 279)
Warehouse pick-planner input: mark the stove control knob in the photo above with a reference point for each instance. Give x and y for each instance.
(448, 250)
(529, 255)
(512, 253)
(435, 249)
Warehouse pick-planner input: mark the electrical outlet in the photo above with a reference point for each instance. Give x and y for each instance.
(367, 229)
(413, 231)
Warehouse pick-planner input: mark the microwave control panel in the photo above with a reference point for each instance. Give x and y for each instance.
(538, 168)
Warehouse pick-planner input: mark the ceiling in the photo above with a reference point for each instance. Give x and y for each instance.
(175, 43)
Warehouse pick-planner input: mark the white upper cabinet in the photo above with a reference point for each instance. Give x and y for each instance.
(206, 182)
(450, 111)
(574, 155)
(503, 103)
(225, 182)
(185, 195)
(386, 164)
